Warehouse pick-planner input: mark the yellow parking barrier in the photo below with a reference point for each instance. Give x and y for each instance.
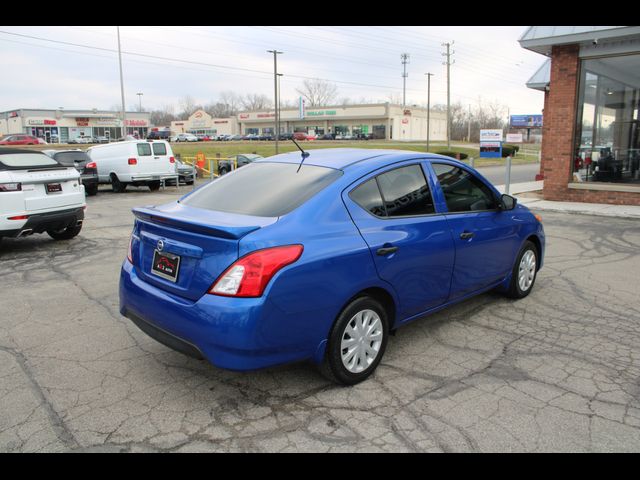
(212, 163)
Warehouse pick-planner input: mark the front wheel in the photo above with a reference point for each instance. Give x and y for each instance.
(357, 342)
(65, 233)
(523, 275)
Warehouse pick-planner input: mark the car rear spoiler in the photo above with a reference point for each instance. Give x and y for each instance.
(192, 224)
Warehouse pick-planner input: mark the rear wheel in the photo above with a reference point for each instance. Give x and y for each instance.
(357, 342)
(154, 186)
(116, 185)
(523, 275)
(65, 233)
(91, 189)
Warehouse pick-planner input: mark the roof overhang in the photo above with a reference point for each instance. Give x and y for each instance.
(540, 39)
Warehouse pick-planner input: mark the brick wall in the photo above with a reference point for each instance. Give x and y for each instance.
(560, 105)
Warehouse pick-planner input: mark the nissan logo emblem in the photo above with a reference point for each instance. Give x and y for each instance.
(160, 245)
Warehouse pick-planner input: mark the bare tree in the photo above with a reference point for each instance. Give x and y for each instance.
(318, 92)
(227, 105)
(163, 116)
(187, 105)
(256, 101)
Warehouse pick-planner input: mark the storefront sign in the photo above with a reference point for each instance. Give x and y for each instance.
(514, 138)
(221, 121)
(107, 122)
(13, 114)
(41, 122)
(491, 135)
(136, 123)
(265, 115)
(243, 116)
(405, 120)
(321, 113)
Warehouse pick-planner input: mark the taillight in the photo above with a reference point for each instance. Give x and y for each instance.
(133, 161)
(172, 159)
(10, 187)
(92, 165)
(249, 276)
(18, 217)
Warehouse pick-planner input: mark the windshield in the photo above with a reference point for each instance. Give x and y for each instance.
(263, 189)
(16, 161)
(68, 158)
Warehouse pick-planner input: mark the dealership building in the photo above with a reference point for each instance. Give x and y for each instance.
(60, 126)
(590, 137)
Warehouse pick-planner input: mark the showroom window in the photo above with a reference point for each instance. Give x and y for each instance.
(607, 145)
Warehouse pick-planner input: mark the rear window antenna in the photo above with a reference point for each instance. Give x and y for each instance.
(304, 154)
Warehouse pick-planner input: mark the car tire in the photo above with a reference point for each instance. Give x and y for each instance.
(347, 367)
(524, 272)
(190, 182)
(116, 185)
(154, 186)
(92, 189)
(66, 233)
(222, 171)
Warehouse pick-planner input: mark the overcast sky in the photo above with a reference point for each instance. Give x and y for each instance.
(364, 62)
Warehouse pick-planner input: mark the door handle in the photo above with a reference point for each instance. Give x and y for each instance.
(386, 250)
(467, 235)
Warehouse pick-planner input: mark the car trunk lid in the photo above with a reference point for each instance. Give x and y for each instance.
(205, 241)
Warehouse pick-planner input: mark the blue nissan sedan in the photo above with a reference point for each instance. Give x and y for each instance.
(320, 256)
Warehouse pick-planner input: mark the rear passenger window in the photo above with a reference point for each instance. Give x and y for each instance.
(398, 193)
(144, 149)
(368, 197)
(405, 192)
(159, 149)
(463, 192)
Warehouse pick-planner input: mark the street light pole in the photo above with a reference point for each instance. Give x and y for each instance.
(278, 122)
(429, 75)
(275, 88)
(124, 119)
(140, 98)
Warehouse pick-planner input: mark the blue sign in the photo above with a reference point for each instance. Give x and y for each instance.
(526, 121)
(490, 149)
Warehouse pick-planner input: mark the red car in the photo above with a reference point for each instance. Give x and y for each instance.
(19, 139)
(300, 135)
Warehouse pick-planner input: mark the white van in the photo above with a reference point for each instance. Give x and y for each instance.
(137, 162)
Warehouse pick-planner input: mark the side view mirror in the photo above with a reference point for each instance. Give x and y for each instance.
(507, 202)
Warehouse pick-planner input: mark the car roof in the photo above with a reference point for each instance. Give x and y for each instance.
(341, 158)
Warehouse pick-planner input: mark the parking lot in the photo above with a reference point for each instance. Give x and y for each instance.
(556, 371)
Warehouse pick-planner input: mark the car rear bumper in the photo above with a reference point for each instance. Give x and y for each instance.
(41, 222)
(152, 177)
(226, 331)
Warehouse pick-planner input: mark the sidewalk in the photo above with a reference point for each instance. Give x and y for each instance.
(599, 209)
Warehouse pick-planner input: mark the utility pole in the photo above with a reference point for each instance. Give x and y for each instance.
(405, 60)
(429, 75)
(278, 124)
(140, 98)
(124, 120)
(275, 87)
(469, 126)
(448, 63)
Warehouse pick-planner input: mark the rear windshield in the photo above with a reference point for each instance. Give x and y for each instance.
(263, 189)
(68, 158)
(159, 149)
(144, 150)
(17, 161)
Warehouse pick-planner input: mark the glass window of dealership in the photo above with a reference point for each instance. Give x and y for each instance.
(591, 85)
(607, 146)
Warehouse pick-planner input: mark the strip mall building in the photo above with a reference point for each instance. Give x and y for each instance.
(60, 126)
(383, 121)
(590, 137)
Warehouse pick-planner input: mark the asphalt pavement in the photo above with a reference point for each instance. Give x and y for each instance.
(556, 371)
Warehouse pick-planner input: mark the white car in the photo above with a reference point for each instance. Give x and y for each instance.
(138, 162)
(186, 137)
(38, 195)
